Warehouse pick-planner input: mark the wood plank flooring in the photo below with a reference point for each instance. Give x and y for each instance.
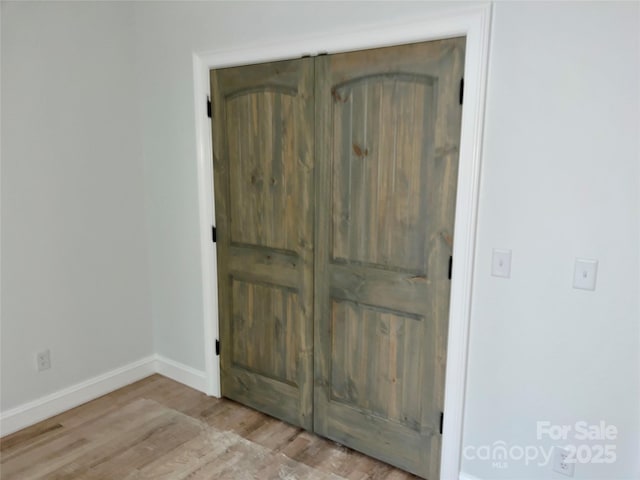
(158, 428)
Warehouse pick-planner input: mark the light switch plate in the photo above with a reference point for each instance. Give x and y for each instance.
(501, 263)
(584, 275)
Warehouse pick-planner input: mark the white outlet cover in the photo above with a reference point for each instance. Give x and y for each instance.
(560, 463)
(43, 361)
(501, 263)
(585, 273)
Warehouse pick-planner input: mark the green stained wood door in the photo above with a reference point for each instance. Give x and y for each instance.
(387, 138)
(335, 184)
(263, 149)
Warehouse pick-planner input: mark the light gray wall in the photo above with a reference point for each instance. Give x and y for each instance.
(74, 245)
(560, 180)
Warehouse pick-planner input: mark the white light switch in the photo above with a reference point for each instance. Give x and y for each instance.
(584, 275)
(501, 263)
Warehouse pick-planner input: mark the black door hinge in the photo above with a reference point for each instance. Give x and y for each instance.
(441, 421)
(450, 266)
(461, 90)
(213, 234)
(218, 348)
(208, 107)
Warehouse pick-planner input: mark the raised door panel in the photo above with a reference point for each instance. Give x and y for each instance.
(377, 127)
(263, 183)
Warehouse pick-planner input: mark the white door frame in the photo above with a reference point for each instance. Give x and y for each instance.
(473, 22)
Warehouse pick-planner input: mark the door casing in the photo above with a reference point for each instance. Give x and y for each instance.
(475, 24)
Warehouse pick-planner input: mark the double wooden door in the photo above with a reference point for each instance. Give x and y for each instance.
(335, 181)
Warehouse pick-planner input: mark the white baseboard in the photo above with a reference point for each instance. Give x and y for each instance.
(189, 376)
(45, 407)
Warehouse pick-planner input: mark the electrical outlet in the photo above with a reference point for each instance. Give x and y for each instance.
(560, 463)
(43, 360)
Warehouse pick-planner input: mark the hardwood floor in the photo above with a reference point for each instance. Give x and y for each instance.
(158, 428)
